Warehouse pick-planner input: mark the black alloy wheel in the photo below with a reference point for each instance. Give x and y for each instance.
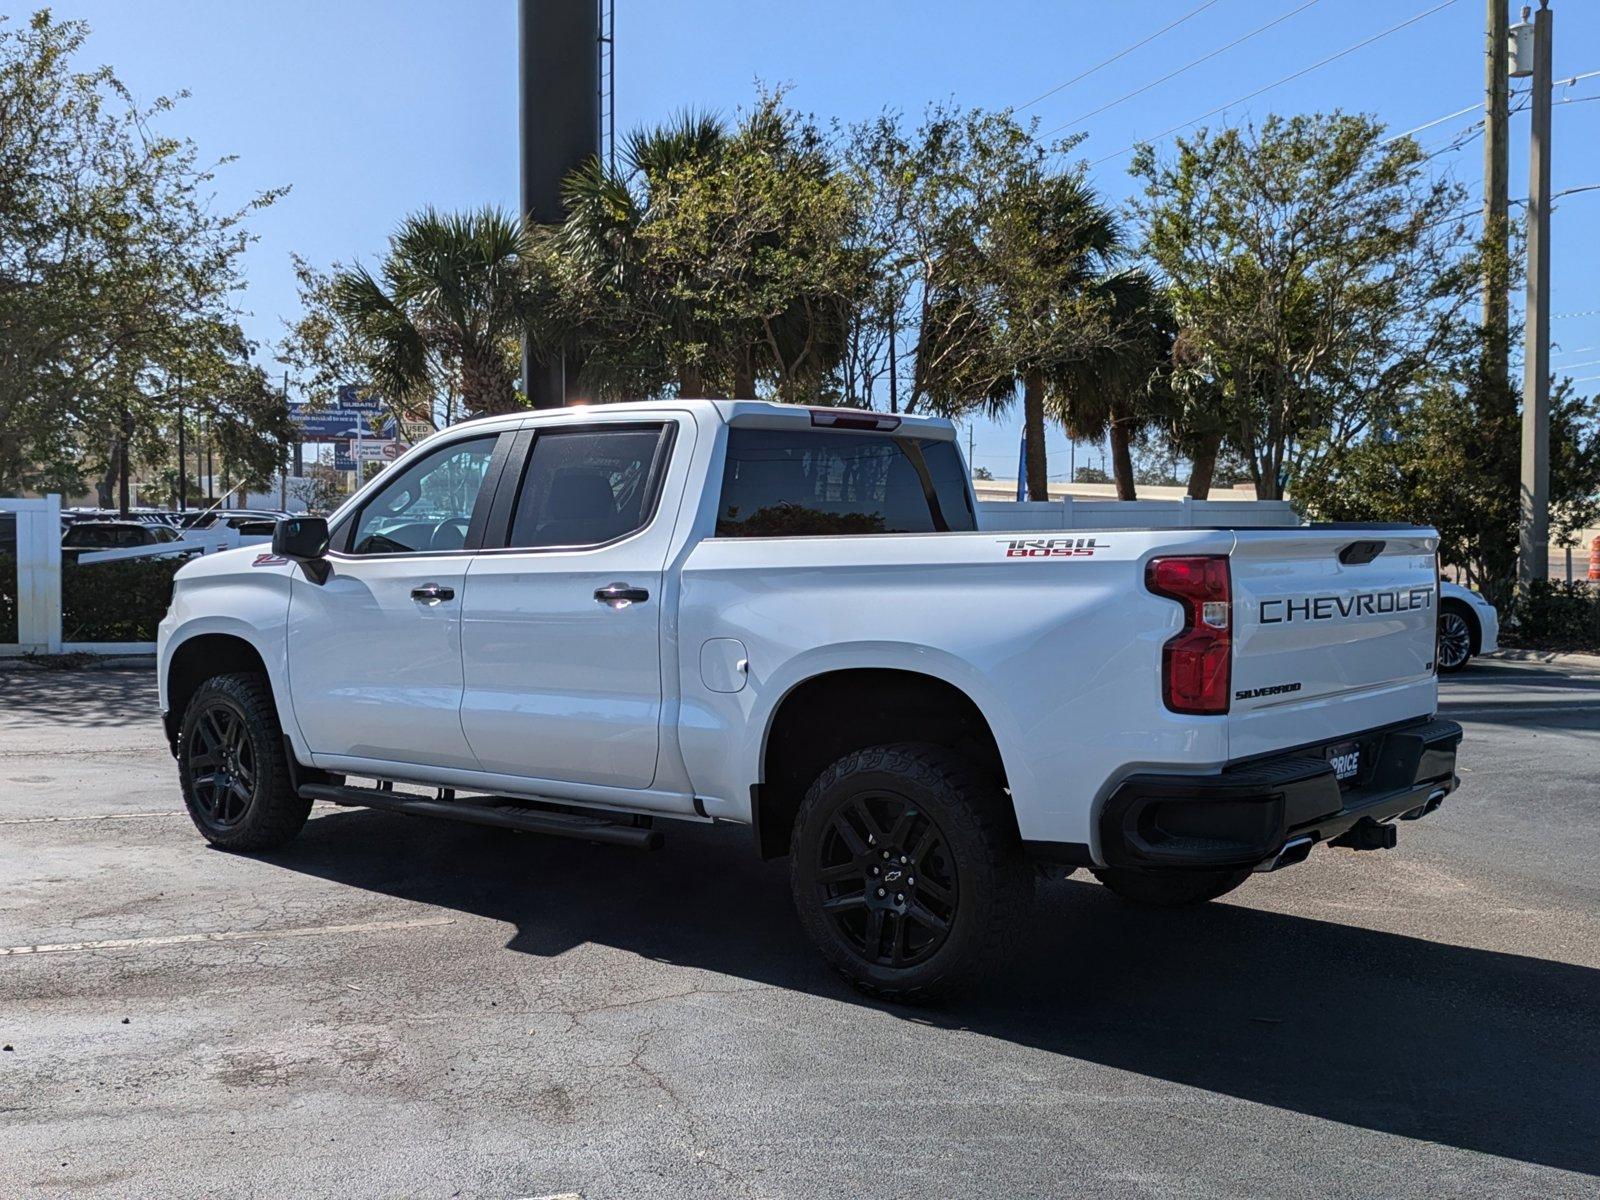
(234, 768)
(885, 879)
(222, 763)
(907, 871)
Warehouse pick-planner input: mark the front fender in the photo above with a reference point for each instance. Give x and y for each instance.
(254, 609)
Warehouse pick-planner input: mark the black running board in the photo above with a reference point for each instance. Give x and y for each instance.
(589, 829)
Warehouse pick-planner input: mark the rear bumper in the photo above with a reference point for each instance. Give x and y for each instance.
(1249, 812)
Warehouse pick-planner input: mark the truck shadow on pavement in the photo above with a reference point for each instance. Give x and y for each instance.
(1492, 1052)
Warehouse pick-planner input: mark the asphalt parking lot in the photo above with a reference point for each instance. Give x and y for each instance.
(395, 1007)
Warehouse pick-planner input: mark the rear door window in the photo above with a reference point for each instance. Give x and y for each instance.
(778, 483)
(588, 486)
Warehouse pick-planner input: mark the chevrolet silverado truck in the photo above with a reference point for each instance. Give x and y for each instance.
(580, 622)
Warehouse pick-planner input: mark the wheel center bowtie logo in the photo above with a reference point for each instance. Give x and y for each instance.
(892, 875)
(1283, 609)
(1056, 547)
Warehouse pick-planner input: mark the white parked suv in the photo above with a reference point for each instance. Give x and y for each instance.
(580, 621)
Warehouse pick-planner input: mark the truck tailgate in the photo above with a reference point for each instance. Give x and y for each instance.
(1334, 634)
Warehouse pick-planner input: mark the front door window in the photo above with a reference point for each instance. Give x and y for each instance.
(427, 506)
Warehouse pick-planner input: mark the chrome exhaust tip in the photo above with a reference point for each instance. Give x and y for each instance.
(1296, 850)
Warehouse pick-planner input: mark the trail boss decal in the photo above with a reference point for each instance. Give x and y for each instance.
(1357, 604)
(1056, 547)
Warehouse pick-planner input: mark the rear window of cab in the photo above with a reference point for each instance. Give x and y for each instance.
(783, 483)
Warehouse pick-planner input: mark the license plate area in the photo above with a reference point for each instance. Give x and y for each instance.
(1347, 760)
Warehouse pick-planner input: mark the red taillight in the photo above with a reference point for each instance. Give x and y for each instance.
(1195, 665)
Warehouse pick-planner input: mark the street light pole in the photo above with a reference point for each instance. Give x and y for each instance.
(1533, 560)
(183, 458)
(558, 83)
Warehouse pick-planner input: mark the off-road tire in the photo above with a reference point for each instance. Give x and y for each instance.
(262, 812)
(975, 861)
(1172, 887)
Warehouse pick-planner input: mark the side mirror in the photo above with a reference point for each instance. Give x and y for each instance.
(305, 540)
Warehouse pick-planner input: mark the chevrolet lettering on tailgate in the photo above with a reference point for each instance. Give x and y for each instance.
(1282, 609)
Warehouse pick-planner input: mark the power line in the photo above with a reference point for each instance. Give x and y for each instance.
(1186, 67)
(1436, 121)
(1428, 12)
(1194, 12)
(1573, 191)
(1567, 82)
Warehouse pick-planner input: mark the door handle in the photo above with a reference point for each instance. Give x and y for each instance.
(620, 595)
(433, 593)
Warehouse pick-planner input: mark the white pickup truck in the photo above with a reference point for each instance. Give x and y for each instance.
(578, 621)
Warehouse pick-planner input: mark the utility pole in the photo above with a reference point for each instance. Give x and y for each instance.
(558, 84)
(1534, 558)
(1496, 174)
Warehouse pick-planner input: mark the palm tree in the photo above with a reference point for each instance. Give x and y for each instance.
(1122, 380)
(447, 307)
(1030, 285)
(640, 332)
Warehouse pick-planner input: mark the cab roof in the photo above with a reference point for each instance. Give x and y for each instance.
(759, 413)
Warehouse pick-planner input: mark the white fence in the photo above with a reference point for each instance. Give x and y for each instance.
(38, 585)
(1072, 513)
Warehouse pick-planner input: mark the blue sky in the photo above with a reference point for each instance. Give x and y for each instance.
(371, 109)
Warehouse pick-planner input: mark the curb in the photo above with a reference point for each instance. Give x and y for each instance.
(1550, 657)
(80, 662)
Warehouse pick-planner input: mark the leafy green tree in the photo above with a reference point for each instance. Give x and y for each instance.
(914, 329)
(716, 262)
(1450, 457)
(114, 256)
(1318, 275)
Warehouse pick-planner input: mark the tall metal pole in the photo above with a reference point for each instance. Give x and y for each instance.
(559, 91)
(183, 458)
(283, 467)
(1534, 558)
(1496, 173)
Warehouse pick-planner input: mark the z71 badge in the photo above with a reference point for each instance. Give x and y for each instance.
(1056, 547)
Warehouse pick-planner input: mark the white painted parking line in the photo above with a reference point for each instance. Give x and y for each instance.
(133, 816)
(1519, 710)
(137, 816)
(232, 935)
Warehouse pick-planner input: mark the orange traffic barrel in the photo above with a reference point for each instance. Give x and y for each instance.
(1594, 559)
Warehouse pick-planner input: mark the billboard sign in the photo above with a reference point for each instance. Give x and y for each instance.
(353, 409)
(329, 425)
(359, 400)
